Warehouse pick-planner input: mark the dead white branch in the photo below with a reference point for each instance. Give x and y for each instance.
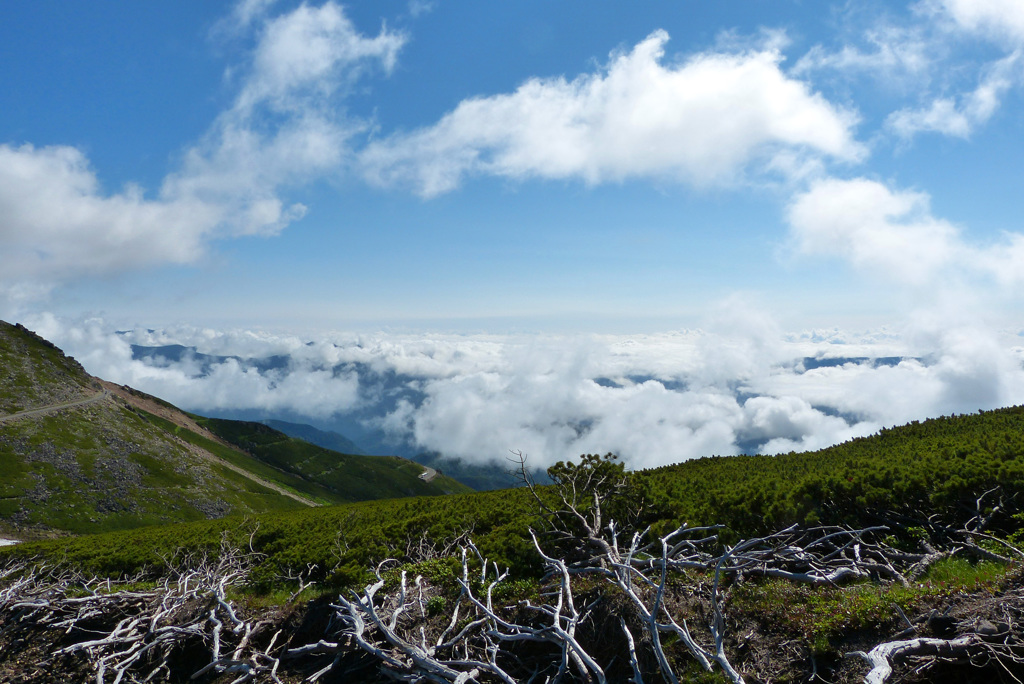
(190, 606)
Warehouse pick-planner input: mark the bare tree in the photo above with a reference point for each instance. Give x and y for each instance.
(385, 624)
(134, 631)
(670, 592)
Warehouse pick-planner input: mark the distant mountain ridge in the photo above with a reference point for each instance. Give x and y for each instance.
(175, 353)
(324, 438)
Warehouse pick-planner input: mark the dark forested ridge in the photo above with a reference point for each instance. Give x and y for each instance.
(349, 477)
(325, 438)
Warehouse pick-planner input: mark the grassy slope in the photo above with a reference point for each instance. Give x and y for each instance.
(326, 439)
(940, 464)
(34, 373)
(348, 477)
(937, 465)
(237, 457)
(111, 465)
(103, 467)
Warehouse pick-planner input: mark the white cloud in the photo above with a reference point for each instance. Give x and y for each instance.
(959, 119)
(957, 368)
(58, 223)
(418, 8)
(284, 128)
(308, 385)
(942, 116)
(653, 399)
(873, 227)
(896, 53)
(791, 423)
(894, 234)
(702, 121)
(309, 53)
(247, 12)
(302, 61)
(929, 50)
(1003, 19)
(1005, 261)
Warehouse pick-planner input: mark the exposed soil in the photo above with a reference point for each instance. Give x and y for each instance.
(149, 404)
(146, 403)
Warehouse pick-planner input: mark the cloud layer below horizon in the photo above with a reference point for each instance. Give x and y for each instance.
(653, 399)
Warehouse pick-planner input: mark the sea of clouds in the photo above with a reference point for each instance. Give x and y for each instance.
(652, 398)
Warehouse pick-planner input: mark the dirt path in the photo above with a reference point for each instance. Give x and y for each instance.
(213, 458)
(175, 416)
(166, 411)
(43, 410)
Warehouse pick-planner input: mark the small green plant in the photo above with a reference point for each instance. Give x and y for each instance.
(515, 590)
(821, 614)
(436, 605)
(959, 574)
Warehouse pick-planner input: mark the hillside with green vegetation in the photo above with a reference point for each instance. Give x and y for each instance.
(33, 372)
(78, 455)
(863, 560)
(915, 470)
(103, 467)
(909, 472)
(476, 476)
(349, 477)
(903, 540)
(325, 438)
(80, 459)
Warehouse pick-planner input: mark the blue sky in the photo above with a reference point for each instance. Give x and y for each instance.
(752, 172)
(635, 225)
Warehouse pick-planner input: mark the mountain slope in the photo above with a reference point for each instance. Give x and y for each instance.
(475, 477)
(926, 516)
(103, 467)
(80, 455)
(349, 477)
(35, 373)
(934, 484)
(939, 466)
(327, 439)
